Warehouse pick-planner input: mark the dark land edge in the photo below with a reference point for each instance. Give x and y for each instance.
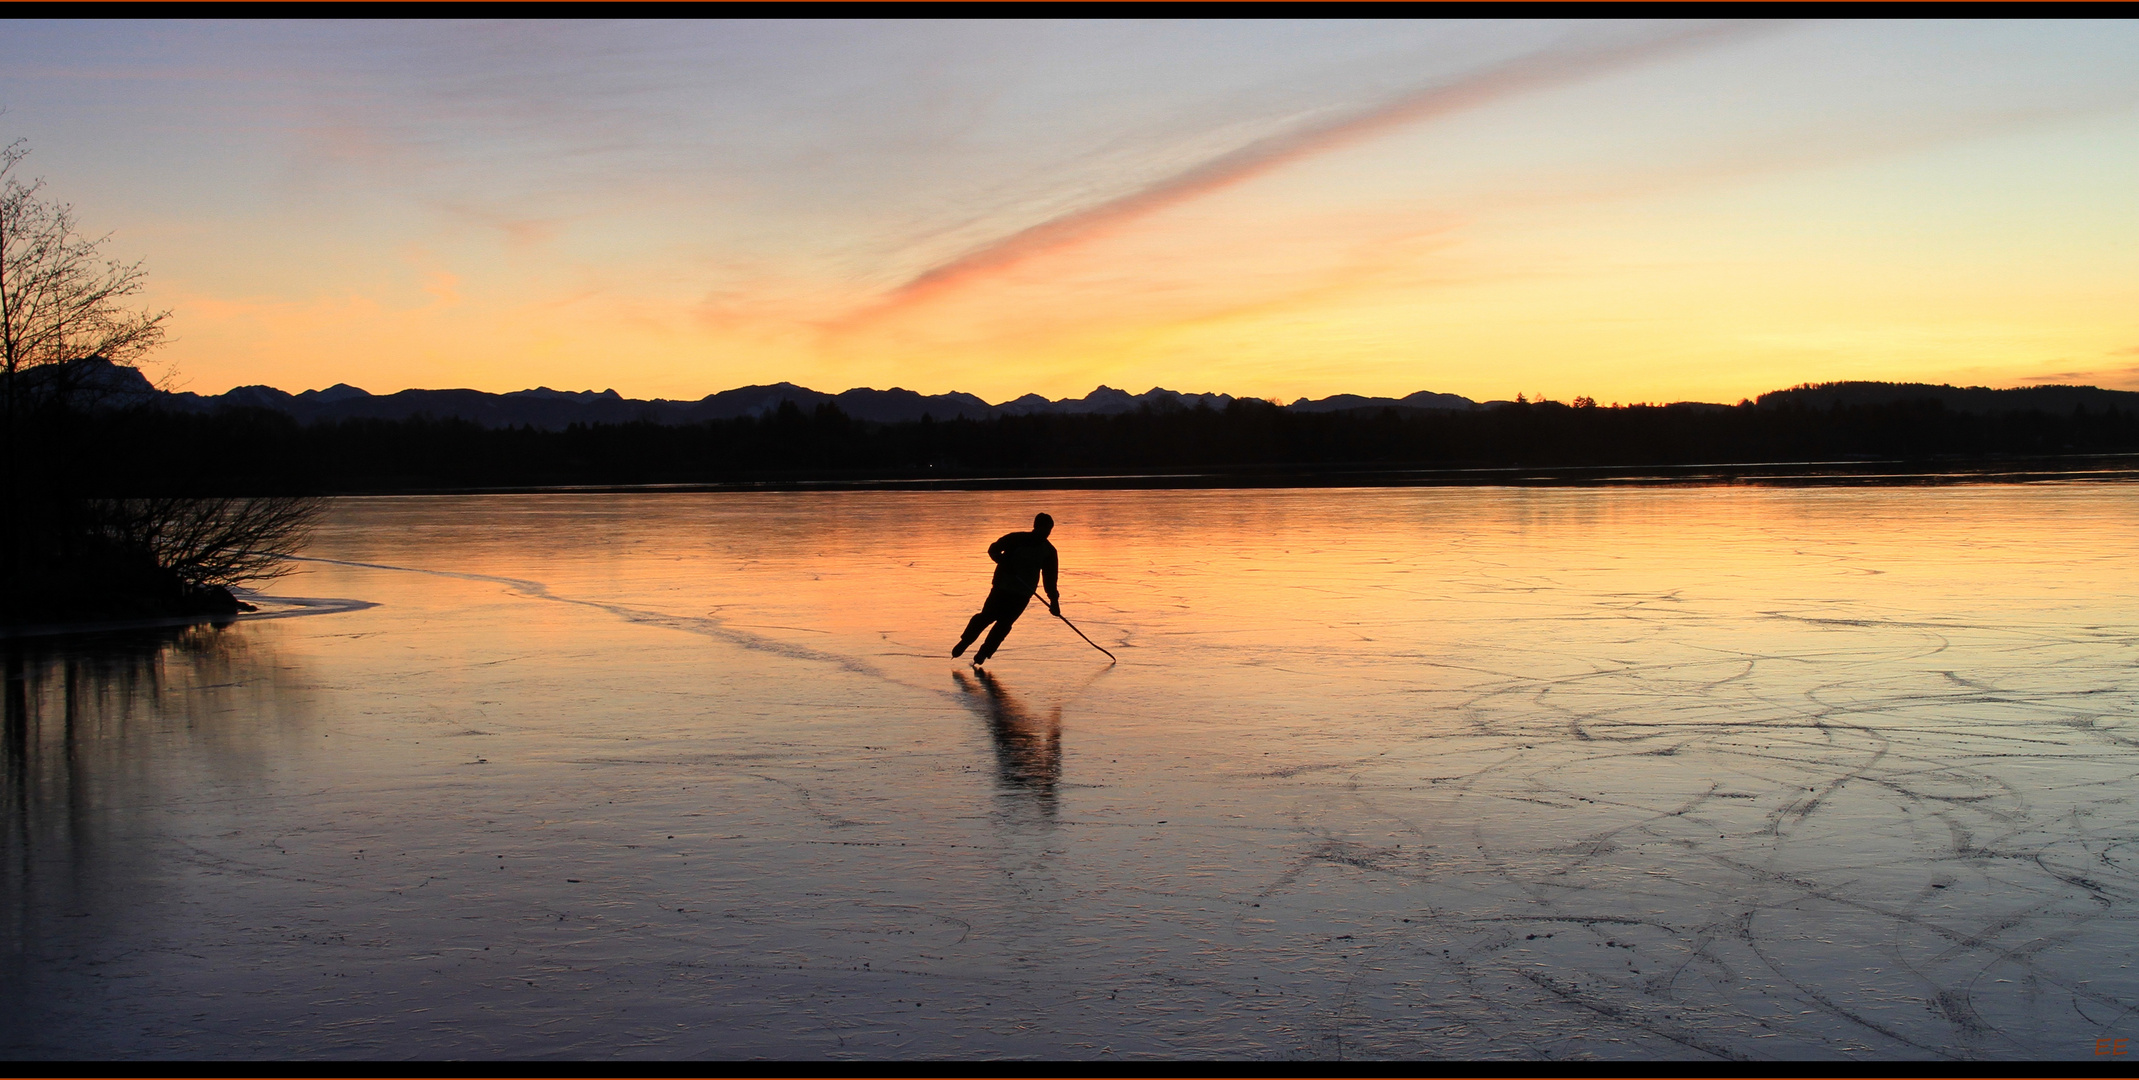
(134, 453)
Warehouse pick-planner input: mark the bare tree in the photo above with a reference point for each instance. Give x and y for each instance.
(61, 300)
(66, 316)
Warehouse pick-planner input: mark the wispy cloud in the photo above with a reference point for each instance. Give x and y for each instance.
(2115, 378)
(1536, 71)
(521, 230)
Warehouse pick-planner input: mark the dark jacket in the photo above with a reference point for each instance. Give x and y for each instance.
(1020, 561)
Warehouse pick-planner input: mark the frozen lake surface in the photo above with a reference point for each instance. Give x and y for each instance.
(1483, 773)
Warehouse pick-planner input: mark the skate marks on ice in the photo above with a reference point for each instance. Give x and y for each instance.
(1916, 841)
(702, 625)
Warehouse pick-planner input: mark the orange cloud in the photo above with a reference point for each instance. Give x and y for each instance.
(444, 285)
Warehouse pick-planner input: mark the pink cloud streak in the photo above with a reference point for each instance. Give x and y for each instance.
(1551, 68)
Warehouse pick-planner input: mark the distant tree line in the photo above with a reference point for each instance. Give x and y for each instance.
(143, 452)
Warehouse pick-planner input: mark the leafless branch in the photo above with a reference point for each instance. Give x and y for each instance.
(214, 541)
(61, 299)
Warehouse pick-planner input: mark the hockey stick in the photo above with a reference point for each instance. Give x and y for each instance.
(1052, 609)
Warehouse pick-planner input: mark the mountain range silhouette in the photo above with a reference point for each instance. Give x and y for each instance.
(546, 409)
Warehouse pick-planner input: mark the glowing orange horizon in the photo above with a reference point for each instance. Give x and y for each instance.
(1625, 211)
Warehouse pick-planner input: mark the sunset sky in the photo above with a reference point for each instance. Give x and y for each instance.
(1636, 211)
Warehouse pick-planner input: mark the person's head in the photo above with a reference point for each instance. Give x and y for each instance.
(1042, 524)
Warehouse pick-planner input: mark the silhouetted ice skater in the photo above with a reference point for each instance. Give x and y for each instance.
(1022, 559)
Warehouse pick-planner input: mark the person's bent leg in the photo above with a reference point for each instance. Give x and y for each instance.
(1004, 620)
(973, 628)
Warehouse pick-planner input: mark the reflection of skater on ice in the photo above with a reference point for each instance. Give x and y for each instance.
(1028, 748)
(1021, 559)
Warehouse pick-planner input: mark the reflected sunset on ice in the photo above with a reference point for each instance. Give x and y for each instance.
(1671, 772)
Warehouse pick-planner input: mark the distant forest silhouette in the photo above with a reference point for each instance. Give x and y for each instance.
(145, 450)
